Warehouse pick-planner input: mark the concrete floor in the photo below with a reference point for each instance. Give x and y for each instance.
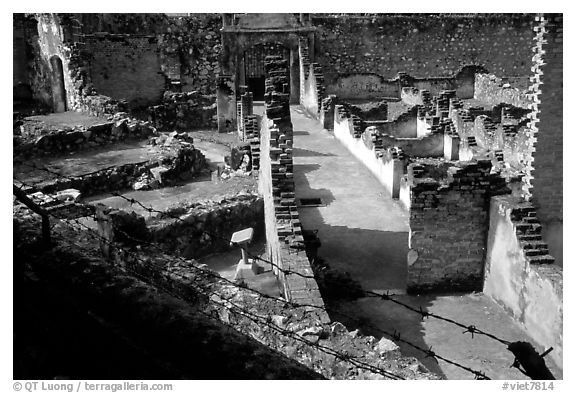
(64, 120)
(85, 161)
(362, 229)
(364, 232)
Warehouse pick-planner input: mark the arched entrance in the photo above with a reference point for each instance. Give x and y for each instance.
(58, 89)
(254, 72)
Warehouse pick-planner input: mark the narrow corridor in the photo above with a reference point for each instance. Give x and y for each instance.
(362, 229)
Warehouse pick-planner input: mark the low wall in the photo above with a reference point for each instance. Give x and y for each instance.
(516, 276)
(194, 230)
(449, 225)
(372, 86)
(404, 126)
(184, 112)
(40, 141)
(388, 170)
(184, 163)
(492, 90)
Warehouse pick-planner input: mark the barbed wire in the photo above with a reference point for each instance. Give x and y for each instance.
(394, 335)
(254, 317)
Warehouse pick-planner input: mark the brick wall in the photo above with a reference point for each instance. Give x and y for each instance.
(449, 225)
(312, 89)
(423, 45)
(276, 182)
(547, 164)
(126, 67)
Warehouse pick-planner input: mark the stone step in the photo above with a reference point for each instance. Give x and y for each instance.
(541, 259)
(536, 251)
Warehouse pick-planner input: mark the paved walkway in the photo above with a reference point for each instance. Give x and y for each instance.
(362, 229)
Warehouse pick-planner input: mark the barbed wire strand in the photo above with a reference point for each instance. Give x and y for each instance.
(254, 317)
(429, 353)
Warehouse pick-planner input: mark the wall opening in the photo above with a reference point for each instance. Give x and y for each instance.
(254, 71)
(58, 89)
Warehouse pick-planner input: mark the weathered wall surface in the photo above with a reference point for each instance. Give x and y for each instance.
(19, 57)
(188, 46)
(531, 292)
(126, 67)
(492, 90)
(372, 86)
(46, 42)
(423, 46)
(448, 226)
(46, 141)
(195, 230)
(312, 90)
(184, 111)
(383, 163)
(547, 164)
(189, 50)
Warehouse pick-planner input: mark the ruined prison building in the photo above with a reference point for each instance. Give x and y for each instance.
(458, 116)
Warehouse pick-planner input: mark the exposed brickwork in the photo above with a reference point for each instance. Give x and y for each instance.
(449, 225)
(184, 112)
(283, 226)
(547, 173)
(423, 45)
(312, 88)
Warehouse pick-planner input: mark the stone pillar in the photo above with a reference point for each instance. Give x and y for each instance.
(226, 103)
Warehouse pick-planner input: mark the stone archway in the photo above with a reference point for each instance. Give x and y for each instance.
(58, 88)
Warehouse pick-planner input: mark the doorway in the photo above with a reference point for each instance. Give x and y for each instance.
(58, 89)
(254, 70)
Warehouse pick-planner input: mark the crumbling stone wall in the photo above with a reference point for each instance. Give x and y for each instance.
(449, 225)
(193, 230)
(40, 140)
(374, 86)
(184, 112)
(492, 90)
(520, 275)
(190, 47)
(166, 165)
(423, 45)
